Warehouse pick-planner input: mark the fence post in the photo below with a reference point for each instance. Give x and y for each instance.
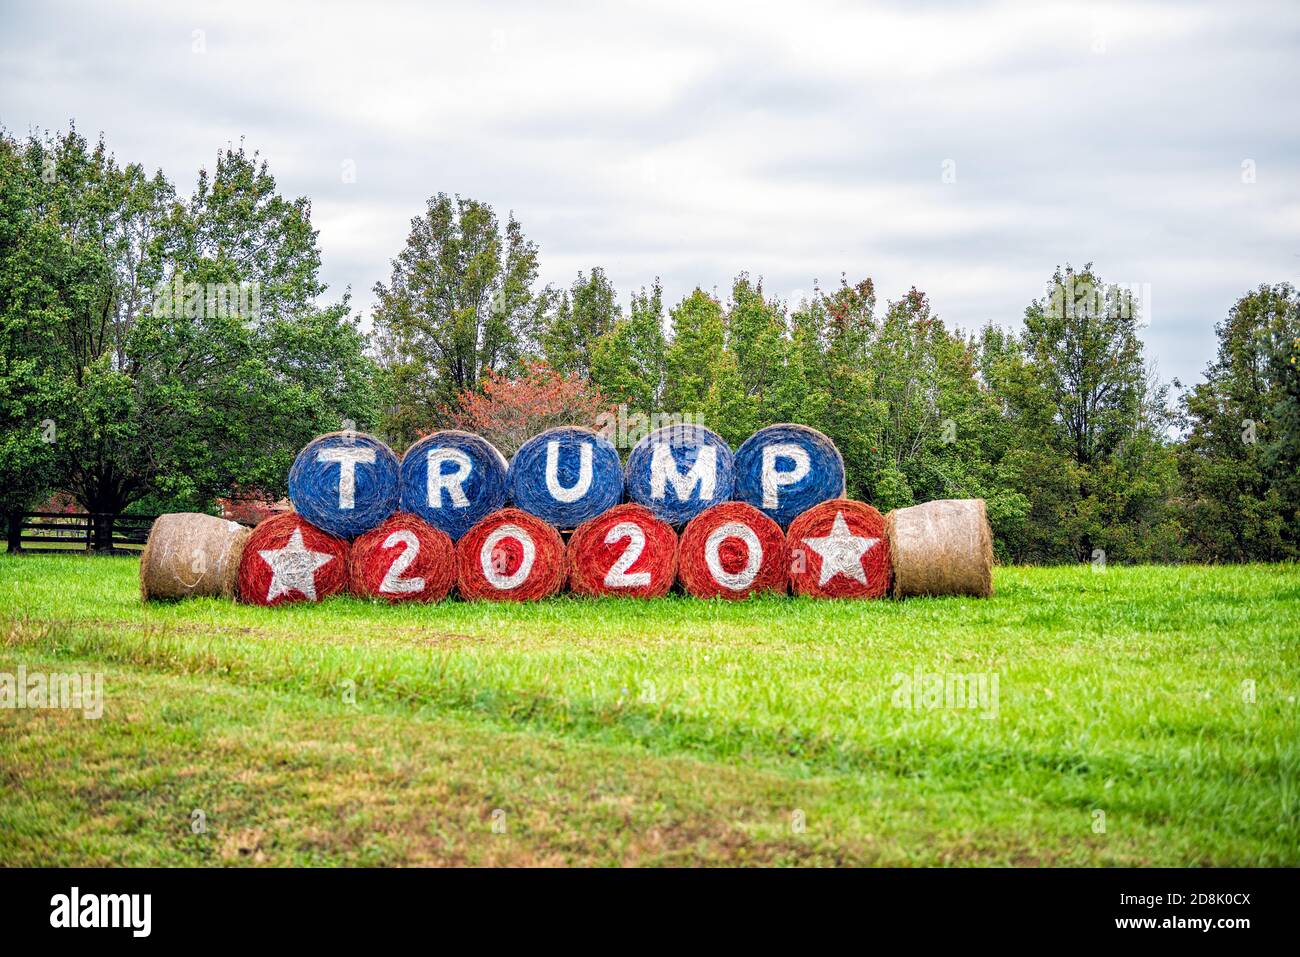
(15, 532)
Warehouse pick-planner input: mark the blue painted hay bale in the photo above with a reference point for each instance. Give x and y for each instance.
(452, 480)
(679, 471)
(785, 469)
(566, 476)
(344, 483)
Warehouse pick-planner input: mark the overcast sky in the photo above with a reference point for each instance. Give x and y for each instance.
(691, 141)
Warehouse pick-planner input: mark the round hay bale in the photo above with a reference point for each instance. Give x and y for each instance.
(732, 551)
(510, 556)
(566, 476)
(344, 483)
(625, 551)
(452, 479)
(679, 471)
(404, 559)
(839, 549)
(191, 555)
(288, 559)
(943, 547)
(785, 470)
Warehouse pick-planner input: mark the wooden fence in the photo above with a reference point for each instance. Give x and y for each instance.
(55, 532)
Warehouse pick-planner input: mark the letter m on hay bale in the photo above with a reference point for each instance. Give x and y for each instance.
(452, 480)
(566, 476)
(344, 483)
(784, 470)
(679, 471)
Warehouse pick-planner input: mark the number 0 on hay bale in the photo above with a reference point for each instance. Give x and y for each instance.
(288, 559)
(510, 556)
(732, 551)
(679, 471)
(344, 483)
(566, 476)
(838, 549)
(452, 479)
(625, 551)
(404, 559)
(787, 469)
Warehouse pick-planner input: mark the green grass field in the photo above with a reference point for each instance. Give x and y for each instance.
(1144, 716)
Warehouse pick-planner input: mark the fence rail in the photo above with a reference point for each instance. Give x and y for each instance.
(61, 532)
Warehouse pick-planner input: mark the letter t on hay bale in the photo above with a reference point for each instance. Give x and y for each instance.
(732, 551)
(625, 551)
(288, 559)
(404, 559)
(344, 483)
(190, 555)
(941, 548)
(510, 556)
(839, 549)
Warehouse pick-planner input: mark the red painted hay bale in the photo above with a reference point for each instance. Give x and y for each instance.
(732, 550)
(510, 556)
(288, 559)
(404, 559)
(624, 551)
(839, 549)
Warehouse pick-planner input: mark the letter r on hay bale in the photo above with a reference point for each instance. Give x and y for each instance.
(510, 556)
(941, 548)
(344, 483)
(625, 551)
(190, 555)
(839, 549)
(452, 479)
(288, 559)
(732, 551)
(679, 471)
(566, 476)
(784, 470)
(404, 559)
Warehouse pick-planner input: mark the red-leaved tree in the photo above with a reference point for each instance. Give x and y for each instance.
(512, 409)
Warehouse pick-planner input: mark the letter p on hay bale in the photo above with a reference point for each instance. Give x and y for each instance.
(510, 556)
(344, 483)
(190, 555)
(625, 551)
(452, 479)
(732, 551)
(404, 559)
(566, 476)
(784, 470)
(288, 559)
(839, 549)
(941, 548)
(679, 471)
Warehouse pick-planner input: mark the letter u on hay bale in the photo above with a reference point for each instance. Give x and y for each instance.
(732, 551)
(785, 469)
(404, 559)
(839, 549)
(510, 556)
(625, 551)
(190, 555)
(679, 471)
(566, 476)
(288, 559)
(943, 547)
(344, 483)
(452, 479)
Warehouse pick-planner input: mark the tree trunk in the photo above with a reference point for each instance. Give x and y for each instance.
(15, 532)
(102, 531)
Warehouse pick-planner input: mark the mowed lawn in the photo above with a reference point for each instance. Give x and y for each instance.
(1144, 716)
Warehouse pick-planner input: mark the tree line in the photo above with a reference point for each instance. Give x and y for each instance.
(163, 350)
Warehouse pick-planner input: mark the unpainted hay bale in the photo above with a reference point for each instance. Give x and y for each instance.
(625, 551)
(510, 556)
(288, 559)
(191, 555)
(404, 559)
(344, 483)
(679, 471)
(786, 469)
(566, 476)
(732, 551)
(941, 548)
(839, 549)
(452, 479)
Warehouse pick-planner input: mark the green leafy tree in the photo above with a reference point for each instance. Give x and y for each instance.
(627, 362)
(697, 340)
(586, 313)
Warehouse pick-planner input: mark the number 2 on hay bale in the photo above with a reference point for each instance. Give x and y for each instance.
(404, 559)
(625, 551)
